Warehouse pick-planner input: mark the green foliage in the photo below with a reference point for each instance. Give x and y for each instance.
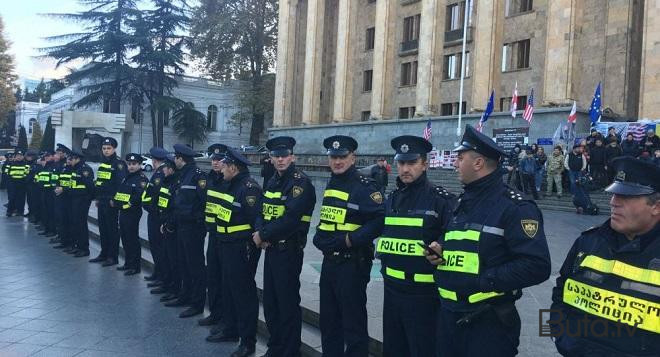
(22, 139)
(7, 78)
(35, 141)
(48, 141)
(189, 124)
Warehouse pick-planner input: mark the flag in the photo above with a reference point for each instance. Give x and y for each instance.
(489, 110)
(594, 110)
(528, 113)
(514, 102)
(427, 131)
(572, 117)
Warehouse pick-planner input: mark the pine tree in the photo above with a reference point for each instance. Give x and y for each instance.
(35, 142)
(48, 141)
(22, 139)
(7, 78)
(189, 124)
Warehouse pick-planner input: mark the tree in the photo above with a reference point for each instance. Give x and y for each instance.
(238, 39)
(22, 139)
(104, 44)
(189, 124)
(48, 141)
(160, 57)
(18, 94)
(7, 78)
(35, 142)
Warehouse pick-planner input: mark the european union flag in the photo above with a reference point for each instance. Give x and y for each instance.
(489, 110)
(594, 110)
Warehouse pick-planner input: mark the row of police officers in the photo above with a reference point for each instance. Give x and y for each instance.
(453, 268)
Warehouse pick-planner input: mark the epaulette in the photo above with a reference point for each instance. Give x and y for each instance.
(442, 192)
(366, 180)
(297, 175)
(250, 182)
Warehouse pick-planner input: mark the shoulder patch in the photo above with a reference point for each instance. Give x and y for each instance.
(85, 173)
(530, 227)
(143, 184)
(201, 184)
(120, 166)
(297, 191)
(157, 181)
(377, 197)
(251, 200)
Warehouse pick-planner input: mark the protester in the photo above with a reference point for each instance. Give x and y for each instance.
(541, 158)
(597, 162)
(656, 157)
(575, 162)
(612, 135)
(555, 168)
(379, 173)
(612, 151)
(528, 170)
(650, 142)
(630, 147)
(591, 139)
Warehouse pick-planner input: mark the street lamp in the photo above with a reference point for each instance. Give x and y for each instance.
(460, 95)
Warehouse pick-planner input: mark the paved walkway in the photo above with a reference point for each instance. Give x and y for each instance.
(54, 305)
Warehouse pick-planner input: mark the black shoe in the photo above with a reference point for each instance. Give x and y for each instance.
(243, 351)
(216, 329)
(42, 233)
(98, 259)
(54, 241)
(222, 337)
(176, 303)
(81, 253)
(155, 284)
(158, 290)
(151, 277)
(208, 321)
(70, 250)
(51, 234)
(191, 311)
(61, 246)
(168, 297)
(109, 262)
(123, 267)
(132, 272)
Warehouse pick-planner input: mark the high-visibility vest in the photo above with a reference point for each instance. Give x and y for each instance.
(64, 179)
(336, 212)
(18, 172)
(164, 196)
(273, 206)
(104, 174)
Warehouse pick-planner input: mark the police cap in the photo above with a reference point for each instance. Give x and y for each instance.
(158, 153)
(340, 145)
(31, 152)
(110, 141)
(19, 152)
(75, 153)
(480, 143)
(169, 161)
(410, 147)
(184, 150)
(234, 157)
(634, 177)
(217, 151)
(281, 145)
(134, 157)
(62, 148)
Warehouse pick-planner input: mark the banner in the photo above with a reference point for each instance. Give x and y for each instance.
(638, 129)
(507, 138)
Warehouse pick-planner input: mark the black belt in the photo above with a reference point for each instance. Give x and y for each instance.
(336, 256)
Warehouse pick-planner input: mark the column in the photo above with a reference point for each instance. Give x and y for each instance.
(313, 61)
(344, 74)
(649, 105)
(384, 52)
(487, 53)
(286, 54)
(559, 52)
(429, 69)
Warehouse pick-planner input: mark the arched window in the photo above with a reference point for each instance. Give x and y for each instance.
(32, 121)
(212, 118)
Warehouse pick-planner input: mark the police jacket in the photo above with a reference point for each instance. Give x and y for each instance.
(64, 179)
(165, 204)
(287, 205)
(213, 197)
(190, 195)
(414, 213)
(150, 193)
(615, 284)
(55, 168)
(353, 206)
(18, 171)
(81, 183)
(32, 172)
(494, 246)
(109, 176)
(238, 209)
(129, 192)
(43, 177)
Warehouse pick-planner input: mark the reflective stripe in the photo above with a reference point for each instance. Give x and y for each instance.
(223, 214)
(269, 194)
(272, 211)
(306, 219)
(126, 206)
(474, 298)
(145, 198)
(447, 294)
(331, 227)
(211, 208)
(103, 175)
(209, 219)
(165, 190)
(162, 202)
(622, 269)
(220, 195)
(353, 206)
(236, 204)
(105, 166)
(460, 261)
(122, 197)
(400, 274)
(493, 230)
(463, 235)
(642, 288)
(232, 229)
(336, 194)
(188, 187)
(404, 221)
(399, 246)
(333, 214)
(613, 306)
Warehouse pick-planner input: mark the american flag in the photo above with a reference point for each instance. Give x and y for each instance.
(638, 130)
(427, 131)
(528, 113)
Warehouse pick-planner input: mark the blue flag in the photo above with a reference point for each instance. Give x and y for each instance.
(594, 110)
(489, 110)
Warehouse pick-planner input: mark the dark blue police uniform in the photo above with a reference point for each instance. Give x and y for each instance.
(149, 203)
(165, 205)
(352, 210)
(63, 202)
(81, 193)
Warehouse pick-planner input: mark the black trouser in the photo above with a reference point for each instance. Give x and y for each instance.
(281, 299)
(29, 197)
(63, 219)
(79, 230)
(174, 265)
(191, 236)
(344, 306)
(598, 173)
(49, 210)
(214, 275)
(129, 225)
(529, 183)
(157, 246)
(409, 314)
(17, 197)
(108, 230)
(487, 333)
(239, 291)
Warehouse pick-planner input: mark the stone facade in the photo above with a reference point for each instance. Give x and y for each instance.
(560, 48)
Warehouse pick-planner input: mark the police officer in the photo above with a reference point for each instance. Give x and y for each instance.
(9, 158)
(61, 180)
(149, 203)
(81, 193)
(213, 270)
(128, 200)
(168, 228)
(189, 204)
(351, 218)
(31, 188)
(18, 173)
(239, 207)
(110, 174)
(287, 206)
(68, 239)
(607, 298)
(493, 248)
(416, 213)
(43, 188)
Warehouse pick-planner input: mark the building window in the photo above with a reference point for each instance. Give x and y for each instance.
(452, 66)
(455, 16)
(106, 105)
(452, 109)
(406, 112)
(166, 118)
(31, 124)
(513, 7)
(136, 111)
(366, 115)
(212, 118)
(515, 55)
(411, 28)
(505, 103)
(409, 73)
(367, 80)
(370, 38)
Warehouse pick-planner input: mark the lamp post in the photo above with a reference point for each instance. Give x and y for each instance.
(460, 95)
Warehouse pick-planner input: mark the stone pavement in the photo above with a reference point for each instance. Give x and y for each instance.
(54, 305)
